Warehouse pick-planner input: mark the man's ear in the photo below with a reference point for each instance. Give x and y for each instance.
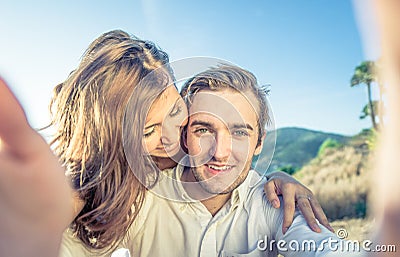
(260, 145)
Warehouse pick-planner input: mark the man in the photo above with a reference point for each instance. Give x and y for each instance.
(29, 171)
(215, 205)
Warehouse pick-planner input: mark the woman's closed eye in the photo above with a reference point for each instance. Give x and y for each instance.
(149, 131)
(148, 134)
(176, 110)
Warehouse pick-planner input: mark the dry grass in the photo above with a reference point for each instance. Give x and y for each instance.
(357, 229)
(340, 180)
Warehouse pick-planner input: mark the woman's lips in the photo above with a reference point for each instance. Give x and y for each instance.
(169, 148)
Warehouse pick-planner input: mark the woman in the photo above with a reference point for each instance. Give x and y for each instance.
(88, 113)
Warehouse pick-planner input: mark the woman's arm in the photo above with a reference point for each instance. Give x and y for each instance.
(294, 194)
(35, 198)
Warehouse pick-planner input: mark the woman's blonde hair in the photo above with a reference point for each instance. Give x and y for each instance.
(88, 113)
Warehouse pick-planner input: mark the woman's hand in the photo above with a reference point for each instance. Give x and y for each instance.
(35, 197)
(294, 194)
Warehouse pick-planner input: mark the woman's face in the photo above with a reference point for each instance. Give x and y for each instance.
(167, 115)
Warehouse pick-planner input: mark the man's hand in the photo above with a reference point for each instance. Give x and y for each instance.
(294, 193)
(35, 197)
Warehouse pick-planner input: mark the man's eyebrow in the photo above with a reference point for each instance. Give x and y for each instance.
(241, 126)
(231, 126)
(200, 123)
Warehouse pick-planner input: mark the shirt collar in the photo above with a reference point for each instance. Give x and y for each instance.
(241, 193)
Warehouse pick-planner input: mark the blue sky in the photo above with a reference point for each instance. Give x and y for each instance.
(307, 50)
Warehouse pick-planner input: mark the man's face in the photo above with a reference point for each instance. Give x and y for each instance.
(222, 138)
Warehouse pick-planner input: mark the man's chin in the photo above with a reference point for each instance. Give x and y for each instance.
(223, 190)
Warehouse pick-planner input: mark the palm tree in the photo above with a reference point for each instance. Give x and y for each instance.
(365, 73)
(366, 110)
(379, 107)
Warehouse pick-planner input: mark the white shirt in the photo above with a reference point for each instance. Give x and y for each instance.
(245, 226)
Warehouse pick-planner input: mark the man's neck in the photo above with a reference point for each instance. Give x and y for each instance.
(213, 202)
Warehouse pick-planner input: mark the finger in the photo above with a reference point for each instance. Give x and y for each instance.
(320, 215)
(15, 132)
(289, 207)
(271, 193)
(304, 205)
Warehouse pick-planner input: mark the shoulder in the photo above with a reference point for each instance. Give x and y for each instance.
(254, 196)
(258, 206)
(71, 246)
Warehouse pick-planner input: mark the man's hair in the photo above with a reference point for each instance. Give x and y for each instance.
(226, 76)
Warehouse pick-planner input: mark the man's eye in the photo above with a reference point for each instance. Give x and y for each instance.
(241, 133)
(201, 130)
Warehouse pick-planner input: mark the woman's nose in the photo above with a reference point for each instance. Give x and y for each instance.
(170, 134)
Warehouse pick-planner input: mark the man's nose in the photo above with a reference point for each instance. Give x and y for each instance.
(222, 147)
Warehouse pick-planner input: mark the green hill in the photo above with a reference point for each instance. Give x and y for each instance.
(294, 147)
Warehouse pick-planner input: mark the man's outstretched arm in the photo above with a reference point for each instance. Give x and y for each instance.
(35, 197)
